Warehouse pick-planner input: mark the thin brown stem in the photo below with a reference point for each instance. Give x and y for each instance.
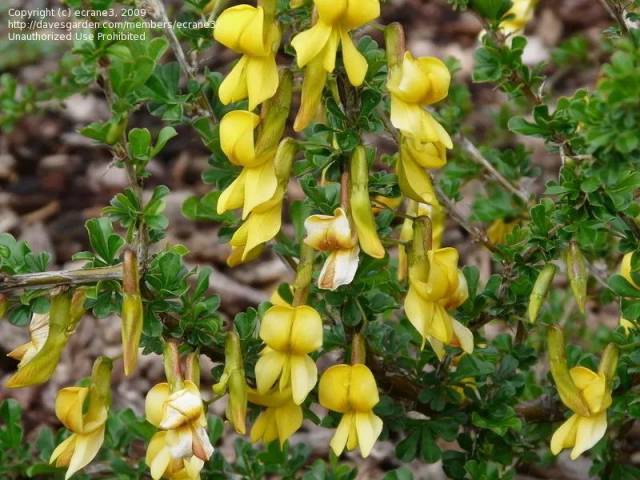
(60, 278)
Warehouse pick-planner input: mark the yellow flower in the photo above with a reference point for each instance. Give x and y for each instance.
(83, 411)
(626, 325)
(317, 47)
(255, 76)
(413, 84)
(352, 391)
(333, 233)
(435, 286)
(336, 18)
(521, 13)
(585, 392)
(181, 416)
(257, 182)
(281, 419)
(49, 334)
(498, 231)
(265, 219)
(290, 334)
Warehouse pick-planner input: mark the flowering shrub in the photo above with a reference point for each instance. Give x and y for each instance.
(384, 323)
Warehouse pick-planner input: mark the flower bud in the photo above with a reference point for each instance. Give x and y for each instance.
(233, 381)
(315, 78)
(394, 44)
(41, 366)
(361, 206)
(567, 390)
(577, 273)
(132, 313)
(275, 113)
(540, 290)
(192, 368)
(608, 364)
(77, 310)
(172, 371)
(116, 129)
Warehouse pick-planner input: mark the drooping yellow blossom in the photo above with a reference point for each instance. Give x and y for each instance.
(521, 13)
(290, 334)
(585, 392)
(280, 419)
(83, 411)
(435, 285)
(333, 234)
(49, 334)
(352, 391)
(317, 47)
(414, 84)
(265, 219)
(257, 182)
(246, 30)
(498, 231)
(182, 445)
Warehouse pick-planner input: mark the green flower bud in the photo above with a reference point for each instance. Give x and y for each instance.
(540, 290)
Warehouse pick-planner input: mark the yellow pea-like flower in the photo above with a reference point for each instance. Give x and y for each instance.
(585, 392)
(279, 420)
(352, 391)
(183, 443)
(436, 285)
(290, 334)
(413, 179)
(49, 334)
(257, 183)
(333, 234)
(413, 84)
(521, 13)
(316, 49)
(83, 411)
(244, 29)
(265, 219)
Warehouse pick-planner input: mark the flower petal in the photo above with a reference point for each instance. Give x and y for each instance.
(354, 62)
(363, 391)
(268, 368)
(236, 137)
(262, 79)
(589, 432)
(309, 43)
(333, 391)
(69, 407)
(304, 375)
(339, 268)
(288, 420)
(154, 403)
(260, 186)
(277, 325)
(340, 438)
(369, 427)
(565, 435)
(464, 336)
(234, 87)
(86, 448)
(306, 330)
